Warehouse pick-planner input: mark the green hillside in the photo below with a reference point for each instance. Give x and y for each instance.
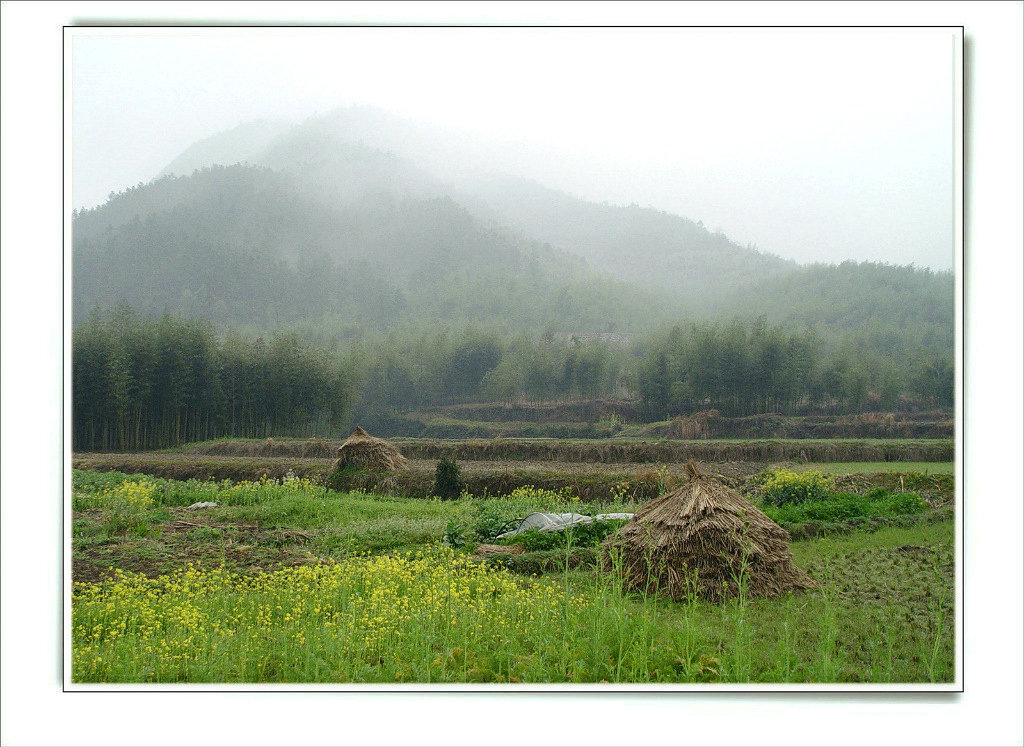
(242, 245)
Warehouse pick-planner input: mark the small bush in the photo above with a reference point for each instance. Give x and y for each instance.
(455, 534)
(901, 504)
(786, 487)
(493, 519)
(448, 484)
(546, 561)
(876, 503)
(579, 535)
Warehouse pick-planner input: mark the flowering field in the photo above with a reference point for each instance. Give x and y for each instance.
(292, 583)
(428, 616)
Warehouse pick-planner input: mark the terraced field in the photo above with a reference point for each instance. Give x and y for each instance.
(608, 450)
(592, 470)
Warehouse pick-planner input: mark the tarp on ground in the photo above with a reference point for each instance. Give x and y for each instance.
(545, 522)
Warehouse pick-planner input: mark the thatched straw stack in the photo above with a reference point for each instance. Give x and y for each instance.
(700, 538)
(372, 454)
(697, 425)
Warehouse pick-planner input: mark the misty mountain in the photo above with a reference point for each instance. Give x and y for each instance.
(240, 144)
(366, 219)
(356, 150)
(650, 247)
(244, 245)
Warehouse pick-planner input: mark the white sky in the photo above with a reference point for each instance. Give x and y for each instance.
(815, 144)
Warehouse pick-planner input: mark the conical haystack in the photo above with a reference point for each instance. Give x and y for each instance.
(372, 454)
(702, 538)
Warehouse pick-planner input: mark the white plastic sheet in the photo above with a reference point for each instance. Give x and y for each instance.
(545, 522)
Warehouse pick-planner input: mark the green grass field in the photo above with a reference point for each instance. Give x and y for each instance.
(293, 583)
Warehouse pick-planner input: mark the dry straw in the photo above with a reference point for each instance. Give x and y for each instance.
(368, 453)
(608, 452)
(704, 538)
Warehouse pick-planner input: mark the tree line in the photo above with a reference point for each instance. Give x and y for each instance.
(411, 370)
(141, 382)
(144, 383)
(751, 368)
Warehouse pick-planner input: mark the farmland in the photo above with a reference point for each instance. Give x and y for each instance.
(605, 450)
(292, 582)
(520, 372)
(590, 469)
(845, 468)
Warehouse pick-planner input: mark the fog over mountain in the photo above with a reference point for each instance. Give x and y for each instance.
(366, 218)
(357, 150)
(506, 251)
(812, 144)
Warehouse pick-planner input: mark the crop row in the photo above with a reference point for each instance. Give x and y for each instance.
(604, 451)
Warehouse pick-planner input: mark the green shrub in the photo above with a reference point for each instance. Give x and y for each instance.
(455, 534)
(784, 487)
(494, 518)
(448, 484)
(838, 507)
(546, 561)
(901, 504)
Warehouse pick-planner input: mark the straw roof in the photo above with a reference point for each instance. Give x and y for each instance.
(366, 452)
(701, 538)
